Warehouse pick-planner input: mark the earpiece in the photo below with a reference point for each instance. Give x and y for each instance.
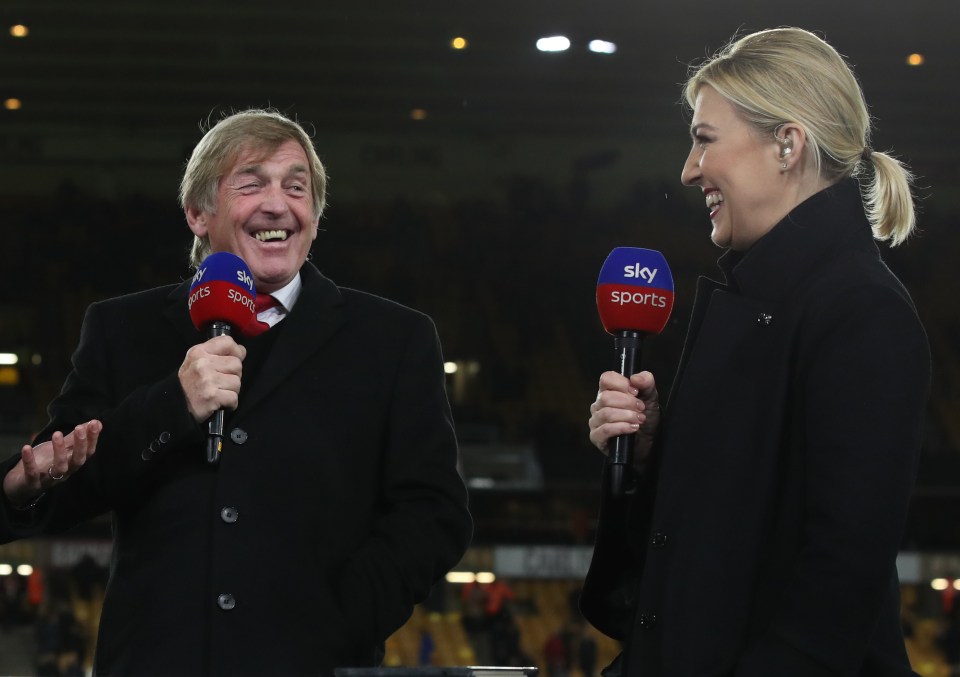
(787, 148)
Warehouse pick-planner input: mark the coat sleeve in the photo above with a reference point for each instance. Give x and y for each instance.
(608, 597)
(152, 418)
(864, 391)
(423, 526)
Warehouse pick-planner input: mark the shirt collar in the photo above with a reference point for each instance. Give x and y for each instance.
(288, 294)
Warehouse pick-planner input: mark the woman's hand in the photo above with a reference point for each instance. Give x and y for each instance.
(624, 406)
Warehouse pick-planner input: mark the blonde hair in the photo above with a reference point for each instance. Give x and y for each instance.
(257, 130)
(791, 75)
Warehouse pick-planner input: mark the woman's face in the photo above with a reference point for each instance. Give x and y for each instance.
(738, 170)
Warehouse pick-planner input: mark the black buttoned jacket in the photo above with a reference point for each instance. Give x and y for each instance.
(335, 506)
(761, 538)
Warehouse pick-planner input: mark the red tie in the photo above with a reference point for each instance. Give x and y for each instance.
(261, 303)
(264, 302)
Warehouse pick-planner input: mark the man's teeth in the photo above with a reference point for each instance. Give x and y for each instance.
(713, 199)
(270, 235)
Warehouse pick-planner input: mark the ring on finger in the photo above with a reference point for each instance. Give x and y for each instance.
(55, 478)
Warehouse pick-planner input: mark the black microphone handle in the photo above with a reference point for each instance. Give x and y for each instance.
(215, 422)
(629, 344)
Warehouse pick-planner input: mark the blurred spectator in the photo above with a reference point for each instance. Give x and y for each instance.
(498, 596)
(505, 639)
(36, 588)
(555, 656)
(949, 640)
(48, 642)
(11, 602)
(427, 646)
(473, 600)
(587, 652)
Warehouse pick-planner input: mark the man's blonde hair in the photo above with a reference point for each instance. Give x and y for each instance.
(257, 130)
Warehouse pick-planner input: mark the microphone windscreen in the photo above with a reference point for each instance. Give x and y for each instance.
(222, 291)
(635, 291)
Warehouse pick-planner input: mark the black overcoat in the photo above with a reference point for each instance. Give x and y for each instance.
(336, 503)
(761, 538)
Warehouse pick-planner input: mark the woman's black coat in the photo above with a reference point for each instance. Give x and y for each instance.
(761, 538)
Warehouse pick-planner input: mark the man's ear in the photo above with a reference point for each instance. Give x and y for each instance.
(197, 220)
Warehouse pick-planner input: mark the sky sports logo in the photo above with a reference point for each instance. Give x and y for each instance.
(640, 298)
(644, 273)
(635, 290)
(222, 267)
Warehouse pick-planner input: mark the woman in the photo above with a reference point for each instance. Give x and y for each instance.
(769, 496)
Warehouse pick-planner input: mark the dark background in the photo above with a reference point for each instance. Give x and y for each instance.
(493, 214)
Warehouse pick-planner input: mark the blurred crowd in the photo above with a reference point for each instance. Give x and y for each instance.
(61, 607)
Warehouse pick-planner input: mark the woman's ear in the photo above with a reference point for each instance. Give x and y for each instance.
(791, 141)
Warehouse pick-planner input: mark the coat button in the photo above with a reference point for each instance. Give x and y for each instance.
(226, 602)
(146, 454)
(658, 540)
(764, 319)
(164, 437)
(238, 435)
(646, 621)
(229, 515)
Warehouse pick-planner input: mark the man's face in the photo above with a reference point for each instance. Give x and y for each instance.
(264, 214)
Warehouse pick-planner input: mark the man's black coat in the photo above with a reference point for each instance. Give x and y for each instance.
(335, 506)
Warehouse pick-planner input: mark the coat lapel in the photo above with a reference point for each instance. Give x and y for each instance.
(178, 314)
(315, 318)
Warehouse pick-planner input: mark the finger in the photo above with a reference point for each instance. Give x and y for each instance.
(611, 380)
(30, 475)
(600, 436)
(93, 437)
(35, 463)
(644, 383)
(225, 346)
(57, 469)
(229, 399)
(78, 451)
(611, 415)
(231, 382)
(613, 399)
(229, 365)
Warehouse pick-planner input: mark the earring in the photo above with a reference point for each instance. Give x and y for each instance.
(784, 155)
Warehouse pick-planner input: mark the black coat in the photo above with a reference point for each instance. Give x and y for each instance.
(336, 504)
(761, 540)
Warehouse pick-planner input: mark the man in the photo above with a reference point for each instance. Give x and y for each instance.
(336, 502)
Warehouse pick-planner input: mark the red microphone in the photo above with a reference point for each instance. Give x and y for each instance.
(634, 298)
(221, 297)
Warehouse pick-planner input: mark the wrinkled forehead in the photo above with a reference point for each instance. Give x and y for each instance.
(250, 151)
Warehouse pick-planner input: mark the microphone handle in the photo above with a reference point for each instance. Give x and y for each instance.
(215, 422)
(629, 345)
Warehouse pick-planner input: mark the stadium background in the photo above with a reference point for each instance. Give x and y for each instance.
(482, 185)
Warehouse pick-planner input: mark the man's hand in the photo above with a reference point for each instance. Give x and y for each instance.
(210, 376)
(47, 464)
